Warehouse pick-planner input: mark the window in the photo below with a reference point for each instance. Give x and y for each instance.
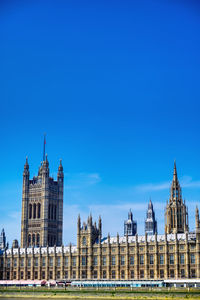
(113, 274)
(141, 273)
(192, 259)
(14, 275)
(151, 248)
(36, 275)
(74, 261)
(161, 273)
(95, 274)
(58, 261)
(29, 262)
(95, 250)
(43, 261)
(141, 249)
(171, 273)
(38, 240)
(66, 261)
(58, 274)
(50, 274)
(95, 260)
(28, 275)
(8, 275)
(151, 274)
(30, 211)
(33, 239)
(171, 259)
(51, 261)
(74, 274)
(84, 275)
(193, 273)
(182, 247)
(131, 260)
(122, 260)
(122, 249)
(171, 247)
(141, 259)
(21, 275)
(8, 263)
(15, 262)
(151, 259)
(182, 259)
(43, 274)
(182, 273)
(161, 248)
(161, 259)
(104, 274)
(84, 241)
(113, 260)
(132, 274)
(83, 260)
(29, 240)
(55, 209)
(36, 262)
(104, 260)
(122, 274)
(39, 207)
(113, 250)
(34, 211)
(22, 262)
(104, 249)
(66, 274)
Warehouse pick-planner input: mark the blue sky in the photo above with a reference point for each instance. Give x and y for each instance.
(115, 86)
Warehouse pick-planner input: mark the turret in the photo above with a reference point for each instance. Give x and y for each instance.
(26, 168)
(197, 221)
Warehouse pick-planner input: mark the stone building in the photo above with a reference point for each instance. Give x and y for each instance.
(172, 255)
(42, 207)
(130, 225)
(150, 222)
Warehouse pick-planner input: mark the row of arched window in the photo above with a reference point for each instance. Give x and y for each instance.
(34, 239)
(52, 212)
(34, 211)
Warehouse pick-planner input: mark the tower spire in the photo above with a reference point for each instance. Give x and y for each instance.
(175, 172)
(44, 147)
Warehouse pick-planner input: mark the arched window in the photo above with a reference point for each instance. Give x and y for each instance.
(29, 240)
(30, 211)
(55, 208)
(38, 239)
(33, 240)
(39, 207)
(34, 211)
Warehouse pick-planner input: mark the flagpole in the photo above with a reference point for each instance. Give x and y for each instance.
(44, 147)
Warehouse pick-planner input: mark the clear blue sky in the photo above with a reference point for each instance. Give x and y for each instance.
(116, 87)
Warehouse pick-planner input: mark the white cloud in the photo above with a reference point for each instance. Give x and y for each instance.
(81, 180)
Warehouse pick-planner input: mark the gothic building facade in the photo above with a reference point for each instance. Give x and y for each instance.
(42, 207)
(174, 254)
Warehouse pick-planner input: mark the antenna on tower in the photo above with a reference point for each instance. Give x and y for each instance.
(44, 147)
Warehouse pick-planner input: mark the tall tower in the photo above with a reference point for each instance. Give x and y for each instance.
(42, 207)
(130, 226)
(2, 239)
(176, 212)
(150, 223)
